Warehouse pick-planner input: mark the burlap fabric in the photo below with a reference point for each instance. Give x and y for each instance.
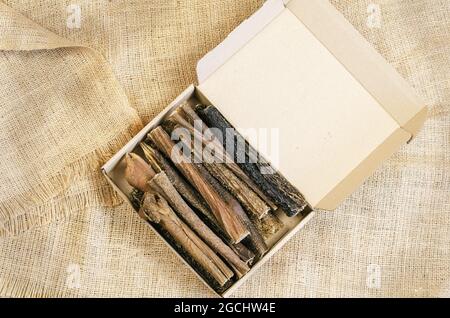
(70, 97)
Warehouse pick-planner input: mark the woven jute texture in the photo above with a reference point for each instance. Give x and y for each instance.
(70, 97)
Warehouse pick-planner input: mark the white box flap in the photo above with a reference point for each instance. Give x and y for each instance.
(285, 78)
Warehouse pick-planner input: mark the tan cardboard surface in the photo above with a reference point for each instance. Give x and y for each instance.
(380, 79)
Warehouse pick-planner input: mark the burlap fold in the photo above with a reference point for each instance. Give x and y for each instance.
(51, 91)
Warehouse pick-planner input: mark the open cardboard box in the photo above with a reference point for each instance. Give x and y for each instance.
(301, 67)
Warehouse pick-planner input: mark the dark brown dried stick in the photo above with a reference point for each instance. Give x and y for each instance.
(255, 239)
(245, 195)
(161, 184)
(249, 199)
(190, 116)
(160, 163)
(284, 194)
(245, 254)
(158, 211)
(224, 213)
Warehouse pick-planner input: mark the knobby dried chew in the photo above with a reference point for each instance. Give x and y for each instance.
(138, 170)
(161, 184)
(187, 113)
(158, 211)
(160, 163)
(214, 161)
(224, 213)
(284, 194)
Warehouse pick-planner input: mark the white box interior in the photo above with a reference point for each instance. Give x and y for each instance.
(298, 87)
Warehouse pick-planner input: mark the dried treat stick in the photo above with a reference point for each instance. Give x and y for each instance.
(161, 184)
(273, 184)
(254, 240)
(139, 174)
(224, 213)
(268, 225)
(186, 112)
(249, 199)
(158, 211)
(160, 163)
(252, 204)
(245, 195)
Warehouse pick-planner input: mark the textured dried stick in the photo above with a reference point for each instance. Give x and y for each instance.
(161, 184)
(158, 211)
(160, 163)
(223, 212)
(216, 167)
(284, 194)
(254, 240)
(191, 116)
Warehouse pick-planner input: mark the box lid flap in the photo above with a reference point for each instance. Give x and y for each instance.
(285, 71)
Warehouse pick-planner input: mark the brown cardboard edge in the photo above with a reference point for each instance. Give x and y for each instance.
(417, 122)
(366, 168)
(358, 56)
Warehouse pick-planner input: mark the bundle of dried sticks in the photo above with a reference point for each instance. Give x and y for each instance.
(218, 212)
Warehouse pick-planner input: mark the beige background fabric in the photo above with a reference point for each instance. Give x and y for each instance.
(64, 111)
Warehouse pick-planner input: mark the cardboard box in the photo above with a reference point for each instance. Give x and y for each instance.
(301, 67)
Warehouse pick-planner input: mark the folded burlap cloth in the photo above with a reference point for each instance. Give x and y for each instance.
(72, 94)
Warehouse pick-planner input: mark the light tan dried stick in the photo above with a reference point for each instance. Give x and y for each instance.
(140, 175)
(162, 185)
(191, 196)
(158, 211)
